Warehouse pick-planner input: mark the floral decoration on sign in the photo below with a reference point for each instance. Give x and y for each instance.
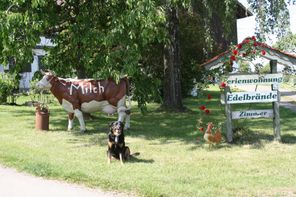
(249, 49)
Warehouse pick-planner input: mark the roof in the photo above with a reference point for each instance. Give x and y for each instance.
(242, 11)
(284, 58)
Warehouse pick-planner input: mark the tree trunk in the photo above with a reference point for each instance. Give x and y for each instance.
(172, 64)
(80, 70)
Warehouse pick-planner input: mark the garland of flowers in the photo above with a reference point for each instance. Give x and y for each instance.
(247, 50)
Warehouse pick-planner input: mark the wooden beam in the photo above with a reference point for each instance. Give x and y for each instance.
(228, 112)
(276, 105)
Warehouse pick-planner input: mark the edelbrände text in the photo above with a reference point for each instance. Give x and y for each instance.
(252, 97)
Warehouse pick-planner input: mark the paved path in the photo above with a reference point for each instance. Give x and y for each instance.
(16, 184)
(288, 97)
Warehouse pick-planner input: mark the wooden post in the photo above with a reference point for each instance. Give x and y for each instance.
(228, 113)
(276, 105)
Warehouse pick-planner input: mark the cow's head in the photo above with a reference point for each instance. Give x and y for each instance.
(44, 83)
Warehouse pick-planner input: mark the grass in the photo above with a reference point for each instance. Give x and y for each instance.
(172, 162)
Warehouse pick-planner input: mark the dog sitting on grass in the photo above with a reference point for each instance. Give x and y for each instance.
(116, 143)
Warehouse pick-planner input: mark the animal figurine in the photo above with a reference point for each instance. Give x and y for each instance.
(88, 95)
(210, 137)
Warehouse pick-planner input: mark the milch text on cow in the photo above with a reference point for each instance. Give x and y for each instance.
(88, 89)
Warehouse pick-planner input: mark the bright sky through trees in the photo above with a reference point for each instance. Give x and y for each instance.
(246, 26)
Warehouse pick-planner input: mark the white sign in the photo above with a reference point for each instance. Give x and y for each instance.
(252, 114)
(255, 79)
(251, 97)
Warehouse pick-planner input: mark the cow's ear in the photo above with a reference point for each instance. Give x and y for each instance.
(121, 124)
(111, 125)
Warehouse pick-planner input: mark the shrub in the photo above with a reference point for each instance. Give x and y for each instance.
(8, 85)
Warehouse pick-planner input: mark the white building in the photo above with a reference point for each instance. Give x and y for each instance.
(36, 65)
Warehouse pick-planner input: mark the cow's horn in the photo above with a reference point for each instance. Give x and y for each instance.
(42, 72)
(51, 72)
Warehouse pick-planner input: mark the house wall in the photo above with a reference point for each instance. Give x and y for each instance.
(1, 69)
(27, 76)
(38, 52)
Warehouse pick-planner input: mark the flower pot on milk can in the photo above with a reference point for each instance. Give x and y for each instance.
(42, 118)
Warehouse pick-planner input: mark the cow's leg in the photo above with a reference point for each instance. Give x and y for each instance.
(121, 113)
(124, 115)
(79, 115)
(127, 119)
(70, 121)
(128, 113)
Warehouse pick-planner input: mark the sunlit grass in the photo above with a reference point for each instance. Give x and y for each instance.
(172, 162)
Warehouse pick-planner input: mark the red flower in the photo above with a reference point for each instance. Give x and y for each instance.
(209, 96)
(263, 52)
(255, 44)
(233, 58)
(235, 52)
(223, 85)
(202, 107)
(246, 41)
(201, 129)
(254, 38)
(239, 46)
(207, 111)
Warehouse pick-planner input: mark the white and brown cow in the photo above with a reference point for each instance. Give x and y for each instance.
(88, 95)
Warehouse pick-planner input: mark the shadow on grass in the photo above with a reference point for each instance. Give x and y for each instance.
(137, 160)
(24, 112)
(167, 126)
(254, 139)
(289, 139)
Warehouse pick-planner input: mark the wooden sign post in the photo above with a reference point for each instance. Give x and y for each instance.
(276, 105)
(228, 113)
(254, 97)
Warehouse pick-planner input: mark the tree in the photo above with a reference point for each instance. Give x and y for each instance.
(172, 63)
(287, 43)
(91, 38)
(216, 20)
(271, 17)
(113, 38)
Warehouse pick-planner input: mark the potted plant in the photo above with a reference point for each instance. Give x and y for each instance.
(42, 117)
(39, 101)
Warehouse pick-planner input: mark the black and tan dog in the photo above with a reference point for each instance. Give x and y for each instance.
(116, 143)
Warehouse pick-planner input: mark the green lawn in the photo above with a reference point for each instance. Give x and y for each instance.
(172, 162)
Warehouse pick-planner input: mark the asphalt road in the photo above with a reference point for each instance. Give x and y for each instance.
(16, 184)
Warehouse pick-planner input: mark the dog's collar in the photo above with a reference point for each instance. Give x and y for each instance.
(115, 135)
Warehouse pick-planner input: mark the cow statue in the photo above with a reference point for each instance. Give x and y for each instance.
(88, 95)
